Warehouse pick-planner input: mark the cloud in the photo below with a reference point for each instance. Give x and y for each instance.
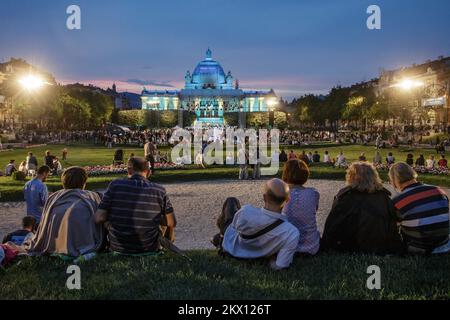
(150, 83)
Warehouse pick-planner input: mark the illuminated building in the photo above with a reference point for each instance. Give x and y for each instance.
(209, 92)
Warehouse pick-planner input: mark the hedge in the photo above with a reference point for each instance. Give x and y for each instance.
(435, 137)
(169, 118)
(188, 118)
(231, 118)
(280, 120)
(261, 119)
(153, 118)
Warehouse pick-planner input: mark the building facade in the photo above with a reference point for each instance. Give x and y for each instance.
(424, 88)
(209, 92)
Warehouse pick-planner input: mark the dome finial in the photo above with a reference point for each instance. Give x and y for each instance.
(208, 53)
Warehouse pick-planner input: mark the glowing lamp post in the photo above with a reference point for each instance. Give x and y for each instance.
(31, 82)
(408, 84)
(272, 103)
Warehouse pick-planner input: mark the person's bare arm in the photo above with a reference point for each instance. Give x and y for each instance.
(100, 216)
(171, 221)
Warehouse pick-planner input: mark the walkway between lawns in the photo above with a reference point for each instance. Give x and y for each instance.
(198, 204)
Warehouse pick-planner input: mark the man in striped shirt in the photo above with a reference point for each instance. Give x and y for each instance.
(423, 212)
(133, 210)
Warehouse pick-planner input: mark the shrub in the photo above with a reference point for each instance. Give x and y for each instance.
(435, 137)
(231, 118)
(154, 118)
(19, 176)
(257, 119)
(168, 119)
(131, 117)
(280, 120)
(188, 118)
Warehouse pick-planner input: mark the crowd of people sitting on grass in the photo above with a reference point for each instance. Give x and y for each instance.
(113, 136)
(434, 164)
(135, 217)
(29, 166)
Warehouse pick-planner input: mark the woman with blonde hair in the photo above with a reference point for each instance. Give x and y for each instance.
(363, 217)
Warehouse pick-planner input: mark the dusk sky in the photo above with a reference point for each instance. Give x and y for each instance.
(293, 46)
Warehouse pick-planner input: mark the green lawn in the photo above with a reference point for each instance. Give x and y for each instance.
(83, 155)
(78, 155)
(208, 276)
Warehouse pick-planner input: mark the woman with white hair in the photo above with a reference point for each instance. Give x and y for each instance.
(362, 218)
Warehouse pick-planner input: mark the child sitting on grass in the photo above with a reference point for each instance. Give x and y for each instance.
(18, 237)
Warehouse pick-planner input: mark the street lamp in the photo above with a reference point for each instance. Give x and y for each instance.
(31, 82)
(408, 84)
(271, 103)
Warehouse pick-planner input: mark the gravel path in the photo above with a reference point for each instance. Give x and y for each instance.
(197, 206)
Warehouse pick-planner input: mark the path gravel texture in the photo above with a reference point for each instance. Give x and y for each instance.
(197, 206)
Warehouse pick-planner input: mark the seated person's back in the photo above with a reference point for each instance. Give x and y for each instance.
(48, 159)
(133, 209)
(302, 206)
(229, 209)
(362, 218)
(67, 226)
(18, 237)
(10, 168)
(316, 157)
(264, 232)
(423, 212)
(118, 156)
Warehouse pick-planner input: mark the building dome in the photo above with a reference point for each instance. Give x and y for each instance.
(208, 73)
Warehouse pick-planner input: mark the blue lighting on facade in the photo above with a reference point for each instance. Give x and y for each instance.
(209, 92)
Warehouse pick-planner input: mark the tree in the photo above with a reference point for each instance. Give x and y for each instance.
(100, 105)
(334, 104)
(71, 112)
(308, 110)
(353, 109)
(381, 110)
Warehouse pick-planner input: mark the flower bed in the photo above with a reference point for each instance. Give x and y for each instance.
(419, 169)
(122, 169)
(433, 171)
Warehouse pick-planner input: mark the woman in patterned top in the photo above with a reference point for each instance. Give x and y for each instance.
(302, 207)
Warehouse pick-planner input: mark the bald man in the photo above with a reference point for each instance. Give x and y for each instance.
(264, 232)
